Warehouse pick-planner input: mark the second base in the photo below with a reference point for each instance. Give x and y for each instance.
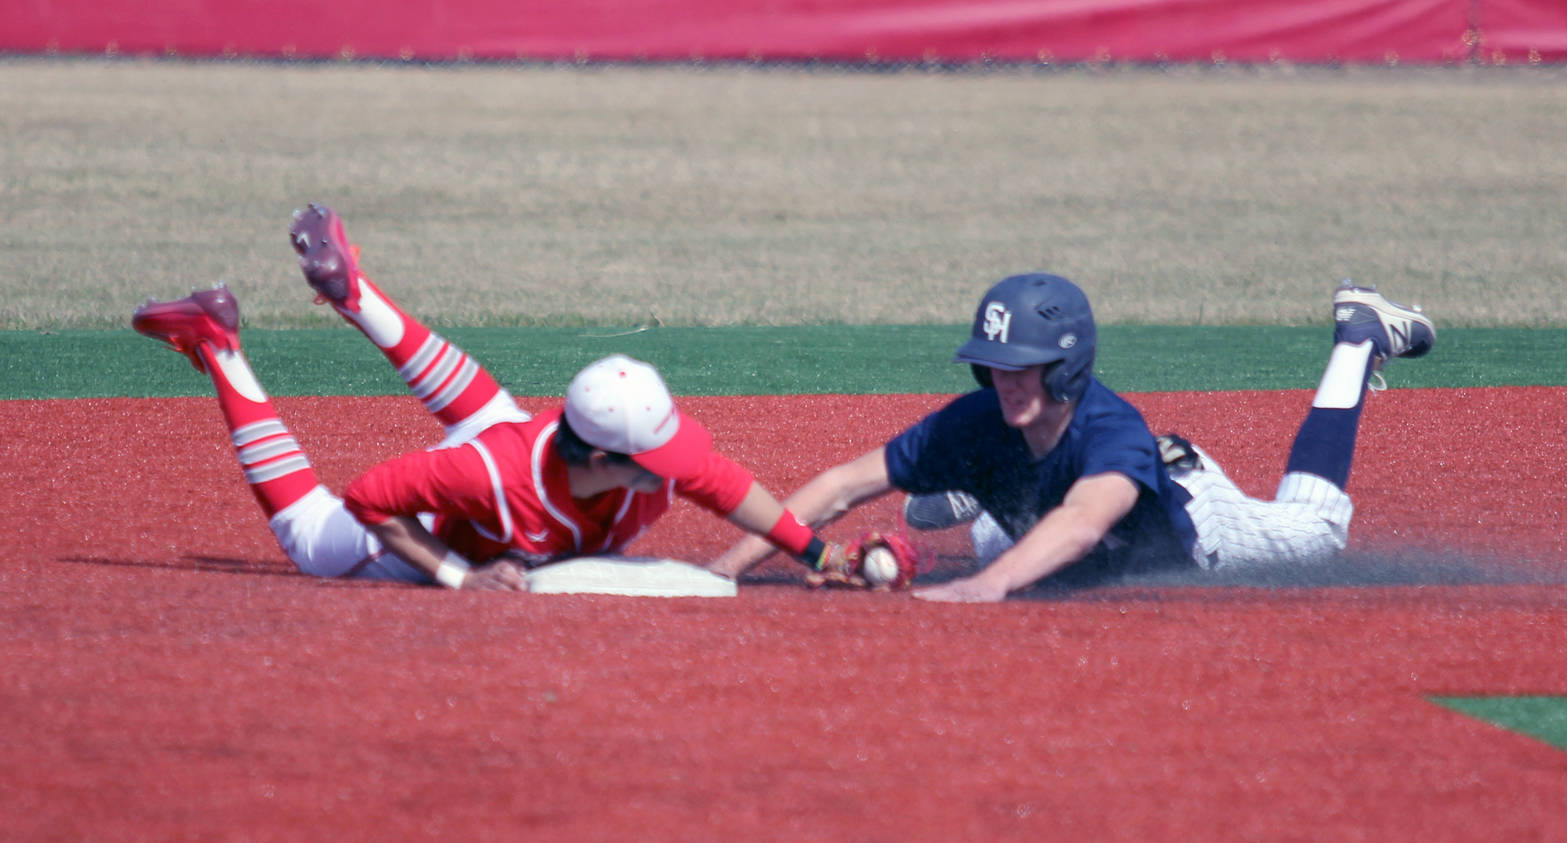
(630, 576)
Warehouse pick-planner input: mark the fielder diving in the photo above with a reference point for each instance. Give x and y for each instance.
(504, 491)
(1063, 479)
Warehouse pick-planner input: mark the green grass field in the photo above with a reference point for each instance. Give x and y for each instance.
(618, 196)
(762, 360)
(1540, 717)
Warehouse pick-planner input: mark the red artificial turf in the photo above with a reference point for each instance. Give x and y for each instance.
(168, 674)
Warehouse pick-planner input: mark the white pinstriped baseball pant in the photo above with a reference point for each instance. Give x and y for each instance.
(1306, 522)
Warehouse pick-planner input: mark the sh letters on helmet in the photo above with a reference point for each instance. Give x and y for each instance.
(1029, 320)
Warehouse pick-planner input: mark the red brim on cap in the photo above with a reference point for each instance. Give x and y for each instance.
(682, 457)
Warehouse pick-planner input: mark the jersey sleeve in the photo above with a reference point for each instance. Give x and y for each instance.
(1118, 441)
(934, 455)
(454, 481)
(720, 487)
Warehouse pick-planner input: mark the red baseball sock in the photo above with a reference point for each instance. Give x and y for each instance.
(274, 466)
(451, 384)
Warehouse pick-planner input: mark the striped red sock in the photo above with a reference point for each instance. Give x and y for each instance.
(451, 385)
(274, 466)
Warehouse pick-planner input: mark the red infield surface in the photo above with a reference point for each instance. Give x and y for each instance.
(168, 674)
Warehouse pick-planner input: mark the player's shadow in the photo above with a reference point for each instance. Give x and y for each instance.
(211, 564)
(940, 568)
(1359, 569)
(1353, 569)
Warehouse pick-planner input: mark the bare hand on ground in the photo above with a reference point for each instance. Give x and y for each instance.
(497, 576)
(965, 590)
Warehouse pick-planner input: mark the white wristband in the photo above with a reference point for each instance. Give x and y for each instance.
(452, 571)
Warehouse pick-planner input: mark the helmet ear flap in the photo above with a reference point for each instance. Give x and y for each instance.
(981, 374)
(1064, 384)
(1054, 379)
(1055, 382)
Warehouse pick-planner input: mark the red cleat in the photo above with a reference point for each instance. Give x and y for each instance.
(329, 261)
(204, 316)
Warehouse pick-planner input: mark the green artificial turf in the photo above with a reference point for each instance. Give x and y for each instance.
(834, 359)
(1537, 716)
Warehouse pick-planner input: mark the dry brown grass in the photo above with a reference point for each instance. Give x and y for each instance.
(525, 195)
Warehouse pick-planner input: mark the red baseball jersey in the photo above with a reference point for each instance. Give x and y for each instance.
(506, 492)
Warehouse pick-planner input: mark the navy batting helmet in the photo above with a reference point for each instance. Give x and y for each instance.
(1026, 320)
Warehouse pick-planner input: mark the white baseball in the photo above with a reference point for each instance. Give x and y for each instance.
(880, 566)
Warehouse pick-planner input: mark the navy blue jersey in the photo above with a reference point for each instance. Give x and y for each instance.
(967, 445)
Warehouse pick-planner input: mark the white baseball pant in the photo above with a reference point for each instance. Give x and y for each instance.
(323, 539)
(1306, 522)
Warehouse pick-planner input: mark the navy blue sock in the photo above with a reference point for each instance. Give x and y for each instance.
(1325, 444)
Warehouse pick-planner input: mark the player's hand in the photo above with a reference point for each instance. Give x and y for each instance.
(496, 576)
(719, 567)
(974, 589)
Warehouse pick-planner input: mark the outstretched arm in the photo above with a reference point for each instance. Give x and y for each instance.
(1066, 534)
(387, 495)
(821, 501)
(758, 511)
(412, 543)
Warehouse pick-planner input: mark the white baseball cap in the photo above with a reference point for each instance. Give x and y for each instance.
(622, 405)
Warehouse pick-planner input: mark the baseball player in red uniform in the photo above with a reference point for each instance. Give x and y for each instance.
(504, 491)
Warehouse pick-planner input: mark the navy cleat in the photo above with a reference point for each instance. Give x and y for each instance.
(1362, 313)
(940, 510)
(330, 263)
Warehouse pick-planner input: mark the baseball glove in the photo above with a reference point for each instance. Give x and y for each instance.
(844, 566)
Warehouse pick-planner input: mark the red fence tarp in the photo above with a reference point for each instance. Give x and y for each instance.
(1521, 30)
(1360, 31)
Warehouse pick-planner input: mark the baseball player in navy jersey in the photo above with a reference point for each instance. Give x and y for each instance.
(505, 490)
(1065, 477)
